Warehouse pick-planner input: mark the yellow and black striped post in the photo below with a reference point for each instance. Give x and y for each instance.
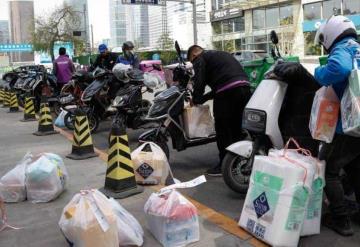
(82, 147)
(1, 95)
(120, 178)
(14, 106)
(6, 99)
(29, 110)
(46, 126)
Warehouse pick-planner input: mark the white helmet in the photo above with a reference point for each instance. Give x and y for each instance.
(120, 71)
(336, 28)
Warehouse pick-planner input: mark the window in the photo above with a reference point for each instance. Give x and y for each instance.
(217, 45)
(216, 27)
(258, 18)
(220, 4)
(331, 7)
(239, 24)
(272, 17)
(312, 11)
(351, 7)
(229, 45)
(310, 47)
(237, 44)
(228, 26)
(286, 15)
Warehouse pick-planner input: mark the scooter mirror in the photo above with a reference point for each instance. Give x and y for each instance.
(177, 47)
(274, 38)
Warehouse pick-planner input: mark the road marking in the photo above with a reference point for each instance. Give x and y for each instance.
(224, 222)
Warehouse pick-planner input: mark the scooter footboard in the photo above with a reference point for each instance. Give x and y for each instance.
(241, 148)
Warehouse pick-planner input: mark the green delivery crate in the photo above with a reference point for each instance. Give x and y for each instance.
(256, 69)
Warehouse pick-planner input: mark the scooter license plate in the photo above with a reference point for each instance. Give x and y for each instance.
(167, 122)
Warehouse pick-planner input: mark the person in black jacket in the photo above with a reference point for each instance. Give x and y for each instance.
(105, 60)
(230, 90)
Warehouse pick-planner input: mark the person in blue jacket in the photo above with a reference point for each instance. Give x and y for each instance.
(129, 57)
(338, 37)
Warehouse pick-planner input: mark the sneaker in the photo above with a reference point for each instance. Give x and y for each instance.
(214, 172)
(341, 225)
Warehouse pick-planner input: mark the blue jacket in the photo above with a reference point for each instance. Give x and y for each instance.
(134, 62)
(336, 72)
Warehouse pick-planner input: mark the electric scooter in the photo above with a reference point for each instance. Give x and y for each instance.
(262, 117)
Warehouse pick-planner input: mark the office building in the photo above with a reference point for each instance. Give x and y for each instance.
(4, 32)
(21, 17)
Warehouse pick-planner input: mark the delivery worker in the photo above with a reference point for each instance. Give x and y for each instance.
(230, 90)
(338, 37)
(63, 68)
(105, 60)
(129, 57)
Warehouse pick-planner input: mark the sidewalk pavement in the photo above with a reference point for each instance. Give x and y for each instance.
(39, 222)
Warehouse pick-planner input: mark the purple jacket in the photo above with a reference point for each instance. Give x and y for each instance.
(63, 69)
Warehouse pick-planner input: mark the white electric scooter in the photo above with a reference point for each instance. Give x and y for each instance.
(261, 121)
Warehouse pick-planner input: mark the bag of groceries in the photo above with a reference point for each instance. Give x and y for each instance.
(277, 199)
(151, 165)
(324, 114)
(171, 218)
(89, 220)
(46, 178)
(130, 232)
(12, 184)
(350, 112)
(198, 121)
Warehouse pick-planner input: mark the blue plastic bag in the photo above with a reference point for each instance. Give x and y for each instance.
(59, 122)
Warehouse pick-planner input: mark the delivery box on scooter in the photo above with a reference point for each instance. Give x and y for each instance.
(324, 114)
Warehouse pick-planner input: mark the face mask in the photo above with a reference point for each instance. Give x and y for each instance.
(129, 53)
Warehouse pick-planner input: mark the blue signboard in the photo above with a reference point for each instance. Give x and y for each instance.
(16, 47)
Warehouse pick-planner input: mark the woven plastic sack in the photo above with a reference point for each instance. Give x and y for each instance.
(12, 184)
(324, 114)
(88, 220)
(150, 164)
(46, 178)
(130, 232)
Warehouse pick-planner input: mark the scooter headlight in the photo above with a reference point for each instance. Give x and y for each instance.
(254, 120)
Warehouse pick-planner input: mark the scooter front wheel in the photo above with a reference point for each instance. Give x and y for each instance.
(69, 120)
(236, 173)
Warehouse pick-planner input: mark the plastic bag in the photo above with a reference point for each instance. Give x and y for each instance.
(153, 80)
(150, 164)
(88, 220)
(324, 114)
(171, 218)
(59, 122)
(130, 231)
(354, 78)
(350, 113)
(198, 121)
(46, 178)
(12, 184)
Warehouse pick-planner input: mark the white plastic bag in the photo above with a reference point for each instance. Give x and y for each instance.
(354, 78)
(46, 178)
(130, 231)
(153, 80)
(88, 220)
(324, 114)
(150, 164)
(350, 113)
(171, 218)
(59, 122)
(12, 184)
(198, 121)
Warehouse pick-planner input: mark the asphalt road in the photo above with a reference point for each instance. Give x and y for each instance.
(193, 162)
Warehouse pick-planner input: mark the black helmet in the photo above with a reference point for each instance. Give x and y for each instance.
(128, 45)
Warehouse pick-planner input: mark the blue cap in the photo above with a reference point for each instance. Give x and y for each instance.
(102, 48)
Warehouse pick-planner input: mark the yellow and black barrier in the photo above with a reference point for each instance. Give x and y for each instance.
(29, 110)
(82, 147)
(46, 126)
(1, 95)
(14, 105)
(120, 178)
(6, 99)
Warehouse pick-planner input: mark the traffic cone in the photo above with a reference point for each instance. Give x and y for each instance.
(120, 178)
(6, 99)
(14, 106)
(82, 147)
(46, 126)
(29, 110)
(1, 96)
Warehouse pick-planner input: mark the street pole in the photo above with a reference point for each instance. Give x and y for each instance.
(194, 22)
(92, 37)
(87, 36)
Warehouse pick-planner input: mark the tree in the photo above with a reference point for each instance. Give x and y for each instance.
(57, 26)
(165, 42)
